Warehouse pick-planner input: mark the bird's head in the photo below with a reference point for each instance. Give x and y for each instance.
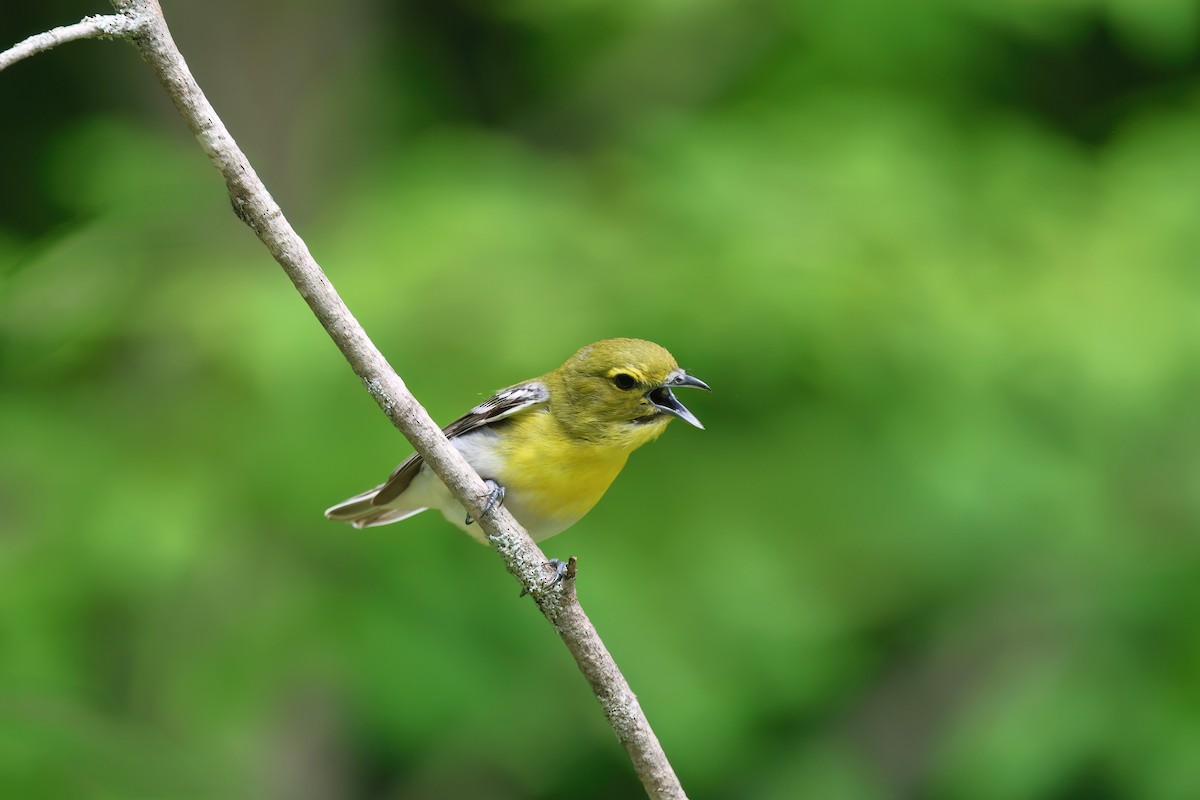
(620, 391)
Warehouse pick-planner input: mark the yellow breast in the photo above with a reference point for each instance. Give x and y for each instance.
(554, 479)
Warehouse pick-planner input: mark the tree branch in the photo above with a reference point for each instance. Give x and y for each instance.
(142, 23)
(112, 26)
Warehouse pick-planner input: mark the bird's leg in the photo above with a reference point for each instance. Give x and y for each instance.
(495, 498)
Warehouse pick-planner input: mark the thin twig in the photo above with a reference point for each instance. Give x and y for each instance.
(112, 26)
(141, 21)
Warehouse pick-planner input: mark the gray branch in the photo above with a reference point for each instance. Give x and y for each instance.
(142, 23)
(112, 26)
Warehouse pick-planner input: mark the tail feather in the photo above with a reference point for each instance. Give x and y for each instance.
(359, 512)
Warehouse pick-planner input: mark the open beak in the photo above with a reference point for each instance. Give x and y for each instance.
(664, 399)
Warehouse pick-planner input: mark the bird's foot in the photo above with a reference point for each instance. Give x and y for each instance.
(562, 569)
(495, 499)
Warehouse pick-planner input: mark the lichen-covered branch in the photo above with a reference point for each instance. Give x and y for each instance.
(112, 26)
(142, 23)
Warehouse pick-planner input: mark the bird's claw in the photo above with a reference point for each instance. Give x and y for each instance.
(560, 571)
(495, 499)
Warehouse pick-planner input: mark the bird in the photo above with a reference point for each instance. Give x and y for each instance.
(548, 448)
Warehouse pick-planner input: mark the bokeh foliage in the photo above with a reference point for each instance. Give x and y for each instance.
(938, 260)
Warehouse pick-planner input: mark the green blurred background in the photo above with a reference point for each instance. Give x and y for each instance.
(937, 259)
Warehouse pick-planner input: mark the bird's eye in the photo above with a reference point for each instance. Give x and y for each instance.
(624, 380)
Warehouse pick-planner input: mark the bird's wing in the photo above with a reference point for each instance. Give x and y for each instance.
(504, 403)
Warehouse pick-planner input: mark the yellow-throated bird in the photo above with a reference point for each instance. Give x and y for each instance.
(549, 447)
